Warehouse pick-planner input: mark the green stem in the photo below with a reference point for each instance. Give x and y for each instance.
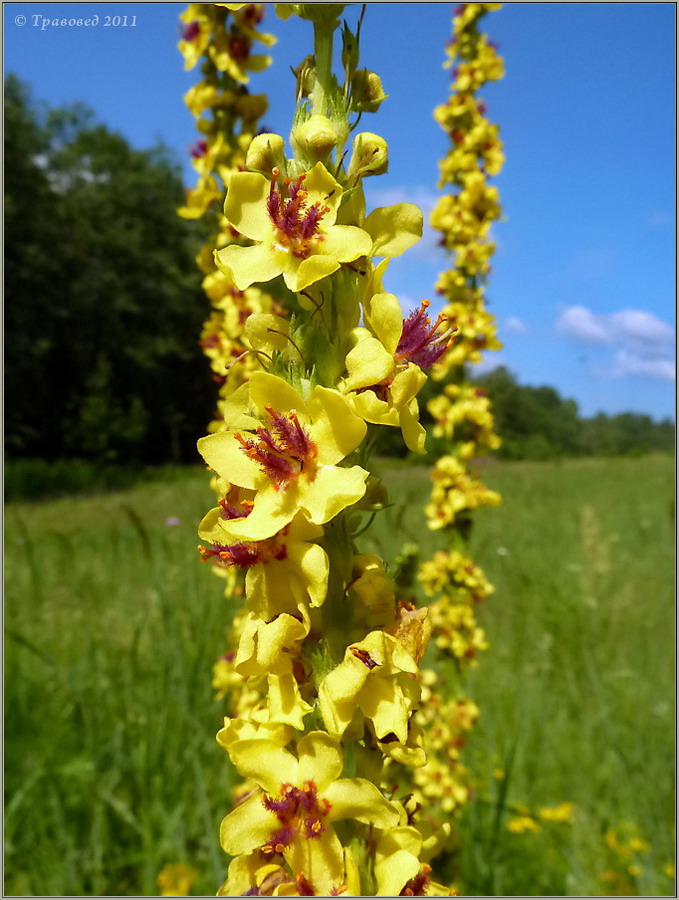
(323, 36)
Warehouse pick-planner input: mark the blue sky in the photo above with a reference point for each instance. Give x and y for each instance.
(583, 280)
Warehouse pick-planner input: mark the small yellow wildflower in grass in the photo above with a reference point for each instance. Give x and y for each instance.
(561, 813)
(175, 880)
(523, 824)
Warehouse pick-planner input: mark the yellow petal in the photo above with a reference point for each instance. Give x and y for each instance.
(385, 319)
(266, 763)
(414, 434)
(320, 759)
(321, 860)
(247, 826)
(338, 692)
(382, 702)
(356, 798)
(394, 229)
(267, 332)
(208, 528)
(404, 837)
(299, 275)
(394, 872)
(284, 701)
(272, 511)
(235, 410)
(246, 208)
(368, 363)
(332, 490)
(314, 566)
(336, 430)
(345, 243)
(224, 454)
(265, 646)
(241, 729)
(247, 265)
(257, 62)
(269, 390)
(407, 384)
(369, 407)
(322, 188)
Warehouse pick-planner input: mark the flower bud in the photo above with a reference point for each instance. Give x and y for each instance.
(325, 15)
(305, 76)
(366, 91)
(375, 496)
(315, 138)
(369, 155)
(251, 106)
(349, 49)
(265, 153)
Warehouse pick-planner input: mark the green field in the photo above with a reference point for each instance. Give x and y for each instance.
(112, 626)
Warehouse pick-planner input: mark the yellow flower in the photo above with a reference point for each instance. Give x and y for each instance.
(195, 32)
(561, 813)
(175, 880)
(384, 371)
(376, 680)
(206, 95)
(398, 869)
(522, 824)
(230, 52)
(294, 229)
(300, 799)
(198, 199)
(454, 491)
(288, 456)
(283, 573)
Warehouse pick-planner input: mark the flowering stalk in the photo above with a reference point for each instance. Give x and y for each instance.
(324, 677)
(220, 38)
(461, 413)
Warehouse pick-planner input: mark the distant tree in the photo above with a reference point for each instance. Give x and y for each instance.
(103, 307)
(534, 423)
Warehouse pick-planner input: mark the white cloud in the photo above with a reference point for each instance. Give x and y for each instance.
(579, 323)
(514, 325)
(627, 362)
(643, 343)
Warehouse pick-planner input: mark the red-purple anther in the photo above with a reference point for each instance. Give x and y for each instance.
(239, 47)
(230, 511)
(283, 451)
(304, 886)
(292, 436)
(190, 31)
(313, 828)
(284, 807)
(252, 14)
(198, 149)
(421, 342)
(296, 223)
(278, 841)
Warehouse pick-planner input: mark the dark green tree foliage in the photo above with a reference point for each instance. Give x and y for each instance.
(103, 306)
(537, 423)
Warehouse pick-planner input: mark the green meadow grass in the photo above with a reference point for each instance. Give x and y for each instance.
(112, 625)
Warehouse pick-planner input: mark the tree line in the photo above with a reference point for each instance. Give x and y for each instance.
(103, 311)
(103, 305)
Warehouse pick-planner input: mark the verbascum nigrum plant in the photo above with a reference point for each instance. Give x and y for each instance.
(328, 705)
